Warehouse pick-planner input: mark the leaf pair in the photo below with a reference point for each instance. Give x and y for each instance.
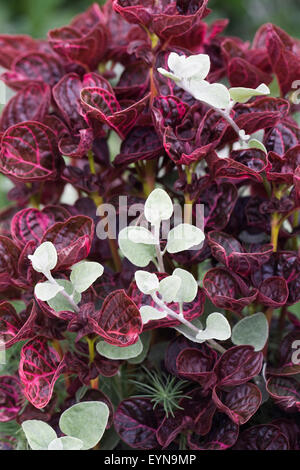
(83, 425)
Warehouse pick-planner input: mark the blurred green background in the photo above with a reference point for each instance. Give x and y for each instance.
(35, 17)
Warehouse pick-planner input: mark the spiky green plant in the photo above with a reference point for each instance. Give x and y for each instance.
(161, 389)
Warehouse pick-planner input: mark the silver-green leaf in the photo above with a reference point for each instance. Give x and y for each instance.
(169, 287)
(44, 258)
(46, 290)
(139, 254)
(150, 313)
(158, 207)
(38, 434)
(146, 282)
(59, 303)
(84, 274)
(86, 421)
(252, 330)
(188, 289)
(116, 353)
(183, 237)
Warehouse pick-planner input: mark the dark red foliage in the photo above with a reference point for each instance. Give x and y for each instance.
(136, 423)
(227, 290)
(40, 367)
(11, 398)
(79, 93)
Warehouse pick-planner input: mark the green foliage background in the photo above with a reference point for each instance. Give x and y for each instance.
(35, 17)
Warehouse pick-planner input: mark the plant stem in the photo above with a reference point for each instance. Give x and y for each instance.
(149, 179)
(216, 346)
(91, 162)
(91, 344)
(227, 118)
(275, 229)
(188, 212)
(185, 322)
(174, 315)
(160, 260)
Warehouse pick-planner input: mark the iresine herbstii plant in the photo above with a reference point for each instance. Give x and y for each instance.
(178, 331)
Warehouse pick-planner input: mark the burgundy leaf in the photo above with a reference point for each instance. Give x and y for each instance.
(40, 367)
(166, 19)
(227, 290)
(240, 403)
(273, 292)
(31, 224)
(262, 437)
(238, 365)
(285, 63)
(195, 408)
(282, 168)
(261, 114)
(13, 46)
(119, 320)
(243, 74)
(219, 200)
(87, 48)
(136, 423)
(102, 105)
(29, 152)
(11, 398)
(228, 250)
(72, 240)
(34, 67)
(223, 435)
(285, 391)
(197, 365)
(9, 254)
(283, 137)
(30, 104)
(142, 143)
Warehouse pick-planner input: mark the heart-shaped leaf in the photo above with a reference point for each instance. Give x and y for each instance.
(184, 237)
(85, 421)
(146, 282)
(46, 290)
(84, 274)
(253, 330)
(38, 434)
(217, 327)
(158, 207)
(150, 313)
